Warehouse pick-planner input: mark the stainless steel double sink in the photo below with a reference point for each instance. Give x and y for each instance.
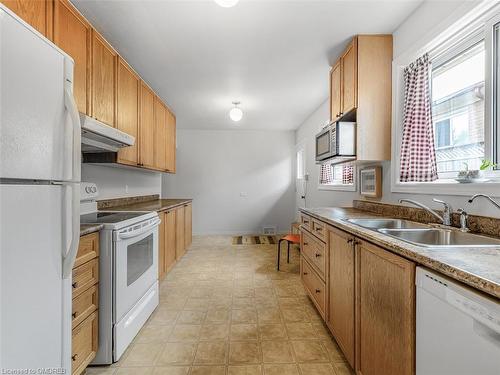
(424, 235)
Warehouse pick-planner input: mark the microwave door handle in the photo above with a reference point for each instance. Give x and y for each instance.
(127, 235)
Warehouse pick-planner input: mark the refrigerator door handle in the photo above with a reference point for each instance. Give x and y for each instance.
(69, 102)
(70, 255)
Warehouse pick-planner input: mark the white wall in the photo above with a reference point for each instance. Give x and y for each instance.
(117, 182)
(240, 180)
(415, 28)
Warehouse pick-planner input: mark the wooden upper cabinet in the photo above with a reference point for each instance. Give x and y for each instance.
(103, 80)
(171, 141)
(72, 34)
(38, 13)
(342, 292)
(127, 108)
(146, 127)
(160, 137)
(385, 296)
(350, 78)
(335, 91)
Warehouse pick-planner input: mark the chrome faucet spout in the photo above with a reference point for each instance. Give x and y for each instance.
(445, 219)
(495, 203)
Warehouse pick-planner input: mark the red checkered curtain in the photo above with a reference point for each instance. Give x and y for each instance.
(326, 174)
(418, 156)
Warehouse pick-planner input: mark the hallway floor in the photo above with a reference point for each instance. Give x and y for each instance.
(224, 309)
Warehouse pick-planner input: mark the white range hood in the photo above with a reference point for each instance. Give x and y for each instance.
(99, 137)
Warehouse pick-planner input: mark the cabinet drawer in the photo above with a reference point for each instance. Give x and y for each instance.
(314, 285)
(306, 221)
(315, 252)
(319, 229)
(88, 249)
(84, 344)
(85, 304)
(85, 276)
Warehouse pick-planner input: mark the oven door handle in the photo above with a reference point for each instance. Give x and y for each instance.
(127, 235)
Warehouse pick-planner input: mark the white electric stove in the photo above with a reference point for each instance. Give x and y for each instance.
(128, 273)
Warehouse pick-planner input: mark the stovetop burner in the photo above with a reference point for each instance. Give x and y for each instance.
(108, 217)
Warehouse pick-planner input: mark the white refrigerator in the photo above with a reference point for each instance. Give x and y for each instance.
(39, 199)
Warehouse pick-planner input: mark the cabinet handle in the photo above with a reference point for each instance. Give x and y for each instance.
(74, 285)
(319, 229)
(318, 291)
(341, 113)
(305, 244)
(74, 357)
(317, 255)
(305, 274)
(306, 222)
(349, 240)
(75, 314)
(357, 243)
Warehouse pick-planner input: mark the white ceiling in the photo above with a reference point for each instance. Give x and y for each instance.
(273, 56)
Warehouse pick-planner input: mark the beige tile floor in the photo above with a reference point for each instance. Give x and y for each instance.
(225, 310)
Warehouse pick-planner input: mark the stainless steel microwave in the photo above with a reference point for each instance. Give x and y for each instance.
(338, 139)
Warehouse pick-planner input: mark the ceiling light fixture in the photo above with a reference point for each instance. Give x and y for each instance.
(236, 114)
(227, 3)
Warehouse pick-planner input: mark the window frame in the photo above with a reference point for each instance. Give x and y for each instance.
(478, 24)
(339, 187)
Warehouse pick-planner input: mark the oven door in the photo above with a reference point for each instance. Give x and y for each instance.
(136, 265)
(325, 143)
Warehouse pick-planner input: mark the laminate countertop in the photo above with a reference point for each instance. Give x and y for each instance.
(151, 205)
(476, 267)
(90, 228)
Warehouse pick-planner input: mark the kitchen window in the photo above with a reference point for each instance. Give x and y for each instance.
(463, 82)
(337, 177)
(458, 101)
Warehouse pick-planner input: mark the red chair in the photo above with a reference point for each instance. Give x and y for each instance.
(289, 238)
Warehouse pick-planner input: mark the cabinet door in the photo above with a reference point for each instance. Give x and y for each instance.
(385, 330)
(350, 78)
(161, 247)
(335, 91)
(188, 227)
(341, 291)
(170, 240)
(103, 80)
(179, 232)
(160, 135)
(171, 142)
(146, 127)
(38, 13)
(127, 106)
(72, 34)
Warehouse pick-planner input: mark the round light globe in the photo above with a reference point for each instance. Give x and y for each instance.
(236, 114)
(227, 3)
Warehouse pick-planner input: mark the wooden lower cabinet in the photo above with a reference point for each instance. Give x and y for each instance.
(314, 285)
(85, 308)
(341, 306)
(385, 312)
(84, 344)
(188, 225)
(170, 248)
(180, 232)
(176, 235)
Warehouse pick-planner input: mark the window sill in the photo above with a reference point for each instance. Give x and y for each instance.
(337, 187)
(448, 187)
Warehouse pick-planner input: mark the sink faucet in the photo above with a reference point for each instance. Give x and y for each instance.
(445, 219)
(497, 205)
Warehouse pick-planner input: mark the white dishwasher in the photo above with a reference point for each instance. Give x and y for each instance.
(458, 329)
